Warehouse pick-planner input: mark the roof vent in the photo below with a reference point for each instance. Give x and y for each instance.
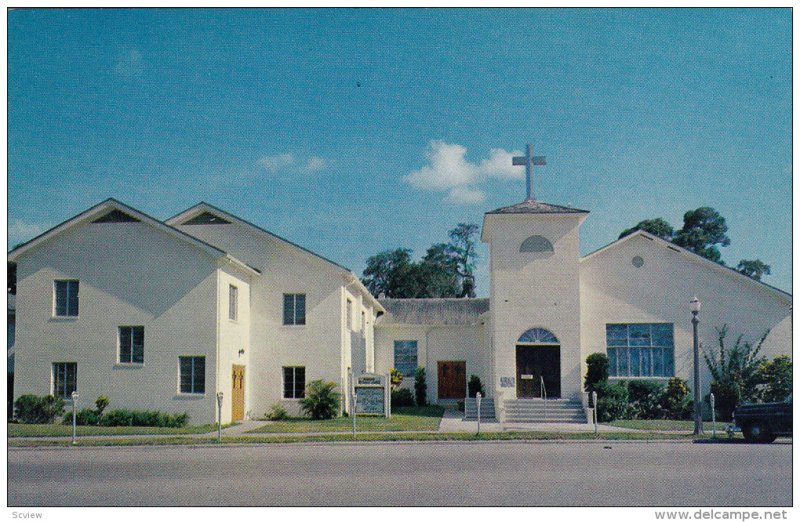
(206, 218)
(116, 216)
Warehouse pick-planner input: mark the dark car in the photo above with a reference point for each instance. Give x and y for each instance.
(764, 422)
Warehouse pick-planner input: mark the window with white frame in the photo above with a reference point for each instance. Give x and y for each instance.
(131, 344)
(405, 357)
(640, 350)
(192, 374)
(65, 293)
(294, 382)
(233, 302)
(65, 379)
(294, 309)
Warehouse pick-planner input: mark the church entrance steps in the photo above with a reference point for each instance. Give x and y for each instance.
(544, 411)
(471, 409)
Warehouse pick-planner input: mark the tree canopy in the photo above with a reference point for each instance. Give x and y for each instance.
(754, 268)
(446, 270)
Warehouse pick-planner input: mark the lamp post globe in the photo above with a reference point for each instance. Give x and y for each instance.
(694, 307)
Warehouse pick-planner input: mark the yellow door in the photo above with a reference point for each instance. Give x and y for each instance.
(238, 393)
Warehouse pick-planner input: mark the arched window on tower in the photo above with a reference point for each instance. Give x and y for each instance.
(536, 244)
(538, 336)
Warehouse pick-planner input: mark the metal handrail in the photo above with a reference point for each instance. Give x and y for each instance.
(543, 393)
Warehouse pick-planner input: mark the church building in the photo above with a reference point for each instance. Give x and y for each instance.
(163, 315)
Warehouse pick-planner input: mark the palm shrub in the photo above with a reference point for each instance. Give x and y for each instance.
(395, 377)
(474, 386)
(734, 372)
(420, 387)
(32, 409)
(321, 400)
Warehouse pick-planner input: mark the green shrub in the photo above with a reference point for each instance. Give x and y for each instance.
(158, 419)
(420, 387)
(612, 401)
(474, 386)
(395, 377)
(775, 378)
(84, 417)
(402, 398)
(646, 399)
(676, 402)
(596, 371)
(101, 403)
(277, 412)
(31, 409)
(321, 400)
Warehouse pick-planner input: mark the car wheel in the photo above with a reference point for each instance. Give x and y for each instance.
(758, 432)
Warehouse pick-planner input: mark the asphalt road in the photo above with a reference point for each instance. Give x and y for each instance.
(419, 474)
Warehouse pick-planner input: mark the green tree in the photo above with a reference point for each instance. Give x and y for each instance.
(753, 268)
(775, 376)
(462, 248)
(658, 227)
(734, 372)
(439, 272)
(389, 272)
(321, 400)
(596, 370)
(420, 387)
(703, 229)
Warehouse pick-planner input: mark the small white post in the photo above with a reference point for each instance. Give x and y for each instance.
(478, 407)
(74, 417)
(713, 418)
(219, 417)
(594, 411)
(354, 401)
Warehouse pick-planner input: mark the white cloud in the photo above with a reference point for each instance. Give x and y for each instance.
(449, 170)
(129, 63)
(316, 163)
(287, 162)
(276, 162)
(465, 195)
(20, 231)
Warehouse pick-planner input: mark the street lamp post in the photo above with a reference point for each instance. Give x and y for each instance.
(694, 307)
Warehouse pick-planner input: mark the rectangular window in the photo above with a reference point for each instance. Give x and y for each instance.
(349, 315)
(294, 382)
(65, 379)
(66, 298)
(294, 309)
(131, 344)
(192, 374)
(640, 350)
(405, 357)
(233, 303)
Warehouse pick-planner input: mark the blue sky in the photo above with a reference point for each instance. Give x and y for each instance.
(352, 131)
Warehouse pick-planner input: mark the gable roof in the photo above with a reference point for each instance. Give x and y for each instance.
(111, 205)
(531, 206)
(434, 311)
(203, 207)
(692, 256)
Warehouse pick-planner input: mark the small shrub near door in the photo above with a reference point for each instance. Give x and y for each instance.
(321, 400)
(420, 387)
(612, 401)
(474, 386)
(402, 398)
(32, 409)
(596, 371)
(277, 412)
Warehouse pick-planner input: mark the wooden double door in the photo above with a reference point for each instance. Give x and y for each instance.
(237, 393)
(452, 378)
(537, 363)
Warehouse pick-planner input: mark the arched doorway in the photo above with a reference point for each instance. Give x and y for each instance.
(538, 360)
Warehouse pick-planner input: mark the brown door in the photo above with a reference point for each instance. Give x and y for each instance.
(452, 379)
(535, 363)
(237, 395)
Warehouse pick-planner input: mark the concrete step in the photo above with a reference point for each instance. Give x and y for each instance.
(487, 409)
(544, 411)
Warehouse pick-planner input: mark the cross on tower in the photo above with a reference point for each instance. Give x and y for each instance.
(529, 160)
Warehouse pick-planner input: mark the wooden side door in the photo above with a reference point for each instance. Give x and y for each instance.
(237, 393)
(452, 378)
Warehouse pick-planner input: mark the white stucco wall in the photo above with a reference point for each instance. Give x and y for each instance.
(614, 291)
(234, 335)
(130, 274)
(530, 290)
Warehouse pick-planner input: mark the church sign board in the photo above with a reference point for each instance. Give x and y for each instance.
(373, 397)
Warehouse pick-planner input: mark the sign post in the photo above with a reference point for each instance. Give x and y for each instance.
(219, 417)
(478, 407)
(594, 411)
(74, 417)
(355, 402)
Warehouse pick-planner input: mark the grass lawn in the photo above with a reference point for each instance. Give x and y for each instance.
(403, 419)
(666, 425)
(64, 430)
(364, 437)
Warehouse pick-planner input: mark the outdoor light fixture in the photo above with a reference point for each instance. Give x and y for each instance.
(241, 351)
(694, 307)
